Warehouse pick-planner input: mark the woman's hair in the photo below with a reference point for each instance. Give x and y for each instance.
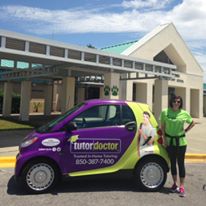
(173, 98)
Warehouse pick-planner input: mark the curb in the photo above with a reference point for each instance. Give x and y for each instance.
(9, 161)
(195, 158)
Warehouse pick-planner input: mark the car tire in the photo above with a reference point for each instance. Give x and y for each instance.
(150, 174)
(39, 176)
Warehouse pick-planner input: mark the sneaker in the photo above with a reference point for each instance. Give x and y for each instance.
(182, 192)
(174, 188)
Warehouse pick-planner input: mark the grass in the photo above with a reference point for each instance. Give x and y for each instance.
(9, 125)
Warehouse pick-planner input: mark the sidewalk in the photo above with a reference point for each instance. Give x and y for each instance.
(196, 150)
(197, 137)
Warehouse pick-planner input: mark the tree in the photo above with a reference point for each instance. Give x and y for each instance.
(91, 46)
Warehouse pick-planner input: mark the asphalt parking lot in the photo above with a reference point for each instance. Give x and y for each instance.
(110, 192)
(105, 191)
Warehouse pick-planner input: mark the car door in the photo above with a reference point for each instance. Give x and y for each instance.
(101, 138)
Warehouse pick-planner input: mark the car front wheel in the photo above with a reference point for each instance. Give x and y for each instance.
(150, 174)
(39, 176)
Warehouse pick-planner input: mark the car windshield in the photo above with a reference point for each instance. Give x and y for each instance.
(47, 127)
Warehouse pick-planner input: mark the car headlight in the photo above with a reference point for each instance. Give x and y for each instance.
(28, 142)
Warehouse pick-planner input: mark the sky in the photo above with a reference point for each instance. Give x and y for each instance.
(103, 23)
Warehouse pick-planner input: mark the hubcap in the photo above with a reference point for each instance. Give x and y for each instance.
(40, 176)
(152, 175)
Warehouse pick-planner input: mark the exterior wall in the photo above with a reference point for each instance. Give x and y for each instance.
(38, 91)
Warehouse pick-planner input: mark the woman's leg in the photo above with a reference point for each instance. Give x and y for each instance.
(181, 163)
(172, 152)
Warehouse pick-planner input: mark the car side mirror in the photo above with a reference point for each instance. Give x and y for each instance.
(131, 126)
(70, 126)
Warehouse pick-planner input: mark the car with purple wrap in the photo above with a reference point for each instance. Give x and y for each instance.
(95, 137)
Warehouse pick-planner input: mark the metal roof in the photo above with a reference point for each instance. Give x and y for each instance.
(119, 48)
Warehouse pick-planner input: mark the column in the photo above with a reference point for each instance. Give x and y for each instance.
(48, 94)
(204, 105)
(55, 96)
(7, 99)
(150, 94)
(101, 92)
(80, 94)
(200, 103)
(196, 107)
(67, 93)
(111, 85)
(160, 96)
(144, 93)
(126, 90)
(25, 100)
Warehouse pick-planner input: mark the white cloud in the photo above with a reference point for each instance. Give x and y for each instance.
(189, 17)
(80, 21)
(145, 4)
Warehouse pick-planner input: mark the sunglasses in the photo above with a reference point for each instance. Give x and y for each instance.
(177, 101)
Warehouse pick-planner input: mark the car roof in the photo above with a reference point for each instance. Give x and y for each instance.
(108, 101)
(100, 101)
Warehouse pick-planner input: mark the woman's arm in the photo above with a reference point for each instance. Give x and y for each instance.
(190, 126)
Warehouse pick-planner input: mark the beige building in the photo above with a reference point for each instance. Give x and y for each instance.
(166, 45)
(53, 76)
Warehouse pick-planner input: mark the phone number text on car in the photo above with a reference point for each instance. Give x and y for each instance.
(94, 161)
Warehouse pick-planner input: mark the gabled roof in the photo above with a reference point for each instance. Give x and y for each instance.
(166, 38)
(145, 39)
(119, 48)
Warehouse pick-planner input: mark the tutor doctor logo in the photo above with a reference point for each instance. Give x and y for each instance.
(96, 146)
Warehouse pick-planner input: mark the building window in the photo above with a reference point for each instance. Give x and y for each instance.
(162, 57)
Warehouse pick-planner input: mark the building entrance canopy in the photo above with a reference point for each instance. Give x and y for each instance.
(63, 59)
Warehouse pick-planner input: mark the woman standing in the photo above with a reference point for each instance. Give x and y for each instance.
(173, 120)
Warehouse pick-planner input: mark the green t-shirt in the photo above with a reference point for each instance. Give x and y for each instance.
(174, 124)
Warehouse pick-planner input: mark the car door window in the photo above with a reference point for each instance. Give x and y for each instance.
(127, 115)
(113, 116)
(98, 116)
